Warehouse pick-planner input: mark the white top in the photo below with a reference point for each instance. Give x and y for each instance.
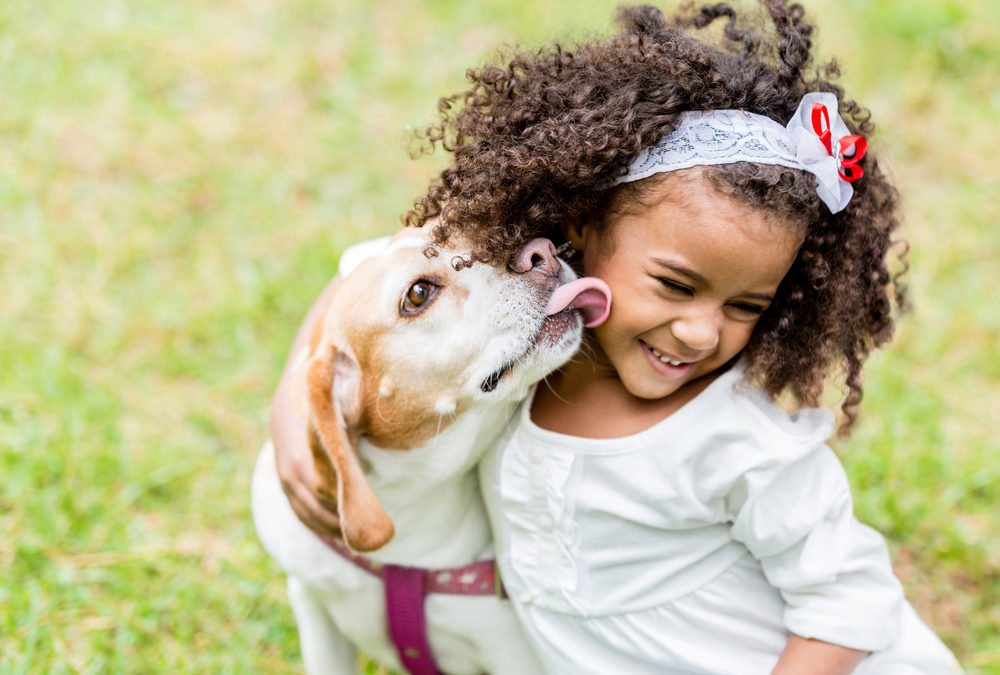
(694, 546)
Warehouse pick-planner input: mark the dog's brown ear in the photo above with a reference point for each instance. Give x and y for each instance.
(333, 382)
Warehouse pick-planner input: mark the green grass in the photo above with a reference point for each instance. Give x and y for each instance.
(177, 181)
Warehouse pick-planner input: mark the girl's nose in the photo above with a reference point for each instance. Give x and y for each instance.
(698, 330)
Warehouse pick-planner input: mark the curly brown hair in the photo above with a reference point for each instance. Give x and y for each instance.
(536, 144)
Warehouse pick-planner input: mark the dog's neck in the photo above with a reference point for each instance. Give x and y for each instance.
(432, 492)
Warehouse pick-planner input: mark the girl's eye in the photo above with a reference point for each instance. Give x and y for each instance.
(747, 308)
(674, 286)
(417, 296)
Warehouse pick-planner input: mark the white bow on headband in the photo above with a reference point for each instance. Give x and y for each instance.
(813, 141)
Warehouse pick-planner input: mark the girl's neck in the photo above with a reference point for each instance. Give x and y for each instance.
(587, 398)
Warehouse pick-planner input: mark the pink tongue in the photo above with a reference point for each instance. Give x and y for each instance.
(590, 295)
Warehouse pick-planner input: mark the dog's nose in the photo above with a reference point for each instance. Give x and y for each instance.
(538, 254)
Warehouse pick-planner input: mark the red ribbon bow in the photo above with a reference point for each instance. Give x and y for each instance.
(850, 149)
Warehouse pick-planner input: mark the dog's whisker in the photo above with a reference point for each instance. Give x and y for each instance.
(586, 351)
(549, 386)
(437, 433)
(378, 413)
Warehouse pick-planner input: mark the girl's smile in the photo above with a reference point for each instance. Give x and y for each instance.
(691, 271)
(668, 367)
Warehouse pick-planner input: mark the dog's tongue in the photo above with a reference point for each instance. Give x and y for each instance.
(589, 295)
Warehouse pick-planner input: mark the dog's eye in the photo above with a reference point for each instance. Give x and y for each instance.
(418, 293)
(417, 296)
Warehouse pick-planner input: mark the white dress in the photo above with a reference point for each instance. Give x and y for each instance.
(695, 546)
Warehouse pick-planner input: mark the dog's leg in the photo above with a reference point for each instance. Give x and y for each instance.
(325, 650)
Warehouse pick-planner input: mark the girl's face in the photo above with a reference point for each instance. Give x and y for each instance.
(690, 271)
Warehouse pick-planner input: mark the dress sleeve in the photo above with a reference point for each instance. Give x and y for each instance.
(834, 573)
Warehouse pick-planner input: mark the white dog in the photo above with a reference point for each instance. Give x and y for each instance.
(411, 375)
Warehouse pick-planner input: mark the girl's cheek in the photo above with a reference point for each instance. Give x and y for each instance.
(742, 337)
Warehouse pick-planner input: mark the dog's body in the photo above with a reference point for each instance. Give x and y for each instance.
(416, 366)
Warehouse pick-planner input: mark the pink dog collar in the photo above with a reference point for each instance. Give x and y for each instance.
(405, 588)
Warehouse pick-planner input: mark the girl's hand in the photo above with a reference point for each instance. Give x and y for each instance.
(292, 454)
(805, 656)
(294, 462)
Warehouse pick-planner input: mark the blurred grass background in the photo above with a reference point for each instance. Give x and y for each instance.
(177, 181)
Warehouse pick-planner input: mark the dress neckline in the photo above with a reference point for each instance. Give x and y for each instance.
(619, 444)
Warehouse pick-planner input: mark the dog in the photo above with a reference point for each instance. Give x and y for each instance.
(412, 372)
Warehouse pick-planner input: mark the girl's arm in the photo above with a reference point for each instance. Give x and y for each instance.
(833, 573)
(805, 656)
(291, 443)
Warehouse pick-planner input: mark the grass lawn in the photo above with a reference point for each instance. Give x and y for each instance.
(177, 181)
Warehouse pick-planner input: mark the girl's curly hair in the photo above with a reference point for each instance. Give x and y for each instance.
(536, 144)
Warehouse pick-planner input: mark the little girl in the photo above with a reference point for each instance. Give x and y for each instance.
(654, 509)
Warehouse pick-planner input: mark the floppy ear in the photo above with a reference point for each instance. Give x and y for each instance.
(333, 383)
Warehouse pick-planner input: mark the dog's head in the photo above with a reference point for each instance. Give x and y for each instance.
(411, 340)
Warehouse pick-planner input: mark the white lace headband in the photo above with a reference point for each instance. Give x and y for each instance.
(809, 142)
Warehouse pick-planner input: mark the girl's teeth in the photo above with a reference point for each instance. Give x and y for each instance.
(665, 359)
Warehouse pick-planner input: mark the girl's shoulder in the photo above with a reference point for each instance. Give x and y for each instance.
(752, 413)
(745, 437)
(770, 414)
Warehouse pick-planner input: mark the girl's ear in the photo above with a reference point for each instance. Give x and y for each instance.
(577, 233)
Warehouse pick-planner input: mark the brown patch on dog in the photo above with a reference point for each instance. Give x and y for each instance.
(410, 421)
(459, 293)
(410, 426)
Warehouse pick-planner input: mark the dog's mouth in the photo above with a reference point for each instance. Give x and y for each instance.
(587, 296)
(553, 328)
(493, 379)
